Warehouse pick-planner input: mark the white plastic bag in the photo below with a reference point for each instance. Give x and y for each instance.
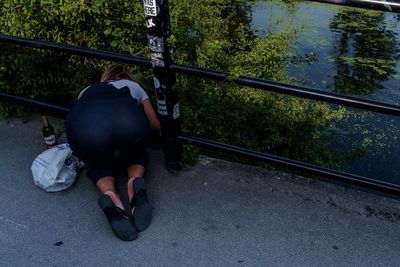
(55, 169)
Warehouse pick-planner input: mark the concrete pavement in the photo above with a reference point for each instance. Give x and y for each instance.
(216, 213)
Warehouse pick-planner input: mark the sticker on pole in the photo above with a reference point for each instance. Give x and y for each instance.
(162, 107)
(157, 60)
(175, 114)
(150, 7)
(156, 83)
(156, 44)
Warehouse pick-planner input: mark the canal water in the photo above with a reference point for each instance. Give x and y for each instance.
(353, 52)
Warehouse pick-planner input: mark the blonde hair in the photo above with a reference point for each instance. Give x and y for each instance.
(117, 72)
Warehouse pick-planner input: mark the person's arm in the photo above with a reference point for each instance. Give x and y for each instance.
(151, 114)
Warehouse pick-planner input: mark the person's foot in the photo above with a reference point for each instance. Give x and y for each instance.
(115, 199)
(119, 221)
(140, 206)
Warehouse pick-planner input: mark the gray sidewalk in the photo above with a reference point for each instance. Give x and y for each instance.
(214, 214)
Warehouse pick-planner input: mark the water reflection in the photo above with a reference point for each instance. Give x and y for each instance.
(357, 53)
(367, 52)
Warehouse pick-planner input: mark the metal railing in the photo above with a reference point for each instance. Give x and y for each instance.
(390, 6)
(241, 80)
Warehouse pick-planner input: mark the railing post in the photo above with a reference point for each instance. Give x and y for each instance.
(158, 25)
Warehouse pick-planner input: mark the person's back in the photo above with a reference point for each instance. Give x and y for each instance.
(114, 117)
(109, 116)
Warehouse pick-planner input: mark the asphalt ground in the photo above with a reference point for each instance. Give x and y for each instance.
(216, 213)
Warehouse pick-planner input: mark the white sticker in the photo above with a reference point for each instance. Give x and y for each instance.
(162, 107)
(156, 83)
(156, 44)
(157, 60)
(176, 114)
(150, 23)
(150, 7)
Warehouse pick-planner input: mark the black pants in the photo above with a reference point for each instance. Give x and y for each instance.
(104, 122)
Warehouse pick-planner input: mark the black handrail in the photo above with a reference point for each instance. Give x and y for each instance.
(75, 50)
(243, 81)
(57, 109)
(215, 75)
(240, 151)
(291, 90)
(298, 165)
(388, 6)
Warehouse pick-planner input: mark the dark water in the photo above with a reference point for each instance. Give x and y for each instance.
(353, 52)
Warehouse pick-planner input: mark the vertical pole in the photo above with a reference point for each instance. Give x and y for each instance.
(158, 25)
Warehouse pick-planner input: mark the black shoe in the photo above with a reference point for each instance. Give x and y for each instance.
(141, 216)
(118, 219)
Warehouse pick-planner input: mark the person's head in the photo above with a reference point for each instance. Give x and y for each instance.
(117, 72)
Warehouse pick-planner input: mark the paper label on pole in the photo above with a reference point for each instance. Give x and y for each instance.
(176, 113)
(162, 107)
(157, 60)
(150, 23)
(156, 83)
(156, 44)
(150, 7)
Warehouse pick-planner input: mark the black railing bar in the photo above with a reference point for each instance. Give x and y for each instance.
(201, 72)
(236, 150)
(301, 166)
(217, 75)
(367, 4)
(40, 104)
(57, 109)
(290, 89)
(75, 50)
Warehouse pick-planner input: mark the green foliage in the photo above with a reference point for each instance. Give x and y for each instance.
(212, 34)
(58, 77)
(256, 119)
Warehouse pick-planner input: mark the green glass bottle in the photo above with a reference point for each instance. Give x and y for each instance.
(49, 135)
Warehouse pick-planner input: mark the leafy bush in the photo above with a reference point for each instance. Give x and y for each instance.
(107, 25)
(212, 34)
